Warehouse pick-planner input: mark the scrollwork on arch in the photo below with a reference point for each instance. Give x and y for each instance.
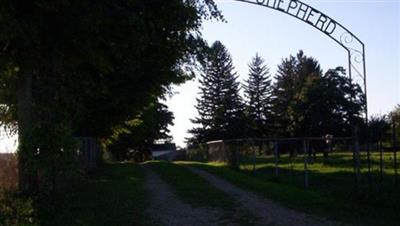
(337, 32)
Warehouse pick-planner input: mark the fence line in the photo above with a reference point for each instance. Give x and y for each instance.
(366, 166)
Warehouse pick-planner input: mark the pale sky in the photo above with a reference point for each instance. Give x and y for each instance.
(275, 35)
(7, 143)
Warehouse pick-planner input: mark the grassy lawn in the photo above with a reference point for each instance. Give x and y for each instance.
(329, 176)
(197, 192)
(114, 195)
(331, 192)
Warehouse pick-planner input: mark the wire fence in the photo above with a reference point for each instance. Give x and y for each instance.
(332, 164)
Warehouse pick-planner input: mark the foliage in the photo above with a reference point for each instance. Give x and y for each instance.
(394, 117)
(16, 211)
(395, 113)
(257, 90)
(139, 134)
(66, 64)
(87, 57)
(220, 107)
(303, 101)
(307, 103)
(378, 129)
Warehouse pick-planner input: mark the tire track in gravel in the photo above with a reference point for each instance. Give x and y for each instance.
(267, 211)
(166, 209)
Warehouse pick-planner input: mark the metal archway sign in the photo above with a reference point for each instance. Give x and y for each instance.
(352, 44)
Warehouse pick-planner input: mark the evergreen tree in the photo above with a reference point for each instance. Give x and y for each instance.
(257, 92)
(220, 106)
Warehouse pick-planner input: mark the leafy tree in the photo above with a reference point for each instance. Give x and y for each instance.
(220, 106)
(88, 66)
(257, 90)
(343, 101)
(308, 103)
(139, 134)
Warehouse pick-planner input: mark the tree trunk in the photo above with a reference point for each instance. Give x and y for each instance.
(25, 148)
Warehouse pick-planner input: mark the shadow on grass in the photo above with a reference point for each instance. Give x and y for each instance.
(189, 185)
(113, 195)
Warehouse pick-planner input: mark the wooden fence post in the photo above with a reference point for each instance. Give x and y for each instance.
(236, 163)
(357, 156)
(369, 163)
(305, 164)
(254, 156)
(394, 145)
(276, 150)
(380, 160)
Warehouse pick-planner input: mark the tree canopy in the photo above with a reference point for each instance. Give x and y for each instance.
(310, 103)
(97, 58)
(139, 134)
(84, 67)
(302, 101)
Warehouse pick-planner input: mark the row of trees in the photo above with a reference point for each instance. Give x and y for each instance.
(90, 69)
(302, 100)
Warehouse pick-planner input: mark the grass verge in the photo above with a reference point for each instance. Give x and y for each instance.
(114, 195)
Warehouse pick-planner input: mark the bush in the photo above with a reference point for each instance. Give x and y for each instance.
(16, 211)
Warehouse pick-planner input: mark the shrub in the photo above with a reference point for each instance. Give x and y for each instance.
(16, 211)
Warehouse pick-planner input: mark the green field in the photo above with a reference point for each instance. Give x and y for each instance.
(332, 192)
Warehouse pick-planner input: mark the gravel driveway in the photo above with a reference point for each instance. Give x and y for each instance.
(268, 212)
(166, 209)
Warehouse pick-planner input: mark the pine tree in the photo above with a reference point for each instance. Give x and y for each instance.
(257, 92)
(219, 106)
